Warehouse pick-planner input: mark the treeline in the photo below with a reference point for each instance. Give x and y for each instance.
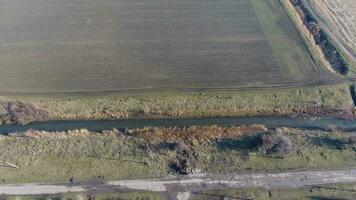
(332, 55)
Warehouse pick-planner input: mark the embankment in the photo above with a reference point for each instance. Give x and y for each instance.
(321, 39)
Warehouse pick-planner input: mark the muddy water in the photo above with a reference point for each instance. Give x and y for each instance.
(270, 122)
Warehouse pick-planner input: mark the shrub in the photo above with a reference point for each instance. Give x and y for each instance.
(283, 146)
(266, 142)
(280, 144)
(353, 139)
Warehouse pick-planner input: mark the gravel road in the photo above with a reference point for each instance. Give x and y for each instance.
(184, 185)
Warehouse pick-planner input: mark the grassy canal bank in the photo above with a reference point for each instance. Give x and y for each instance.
(80, 155)
(330, 100)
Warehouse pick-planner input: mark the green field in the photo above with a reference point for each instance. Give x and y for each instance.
(103, 45)
(96, 196)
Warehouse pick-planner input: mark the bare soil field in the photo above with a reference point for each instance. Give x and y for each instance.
(51, 46)
(339, 16)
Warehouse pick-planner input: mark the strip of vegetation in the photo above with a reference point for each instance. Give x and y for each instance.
(94, 196)
(80, 155)
(320, 37)
(333, 99)
(321, 192)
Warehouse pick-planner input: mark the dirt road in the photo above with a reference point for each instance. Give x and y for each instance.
(182, 186)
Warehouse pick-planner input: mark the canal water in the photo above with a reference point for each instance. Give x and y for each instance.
(270, 122)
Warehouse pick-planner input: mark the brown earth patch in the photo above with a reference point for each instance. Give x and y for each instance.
(15, 112)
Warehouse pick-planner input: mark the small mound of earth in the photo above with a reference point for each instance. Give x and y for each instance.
(20, 113)
(183, 164)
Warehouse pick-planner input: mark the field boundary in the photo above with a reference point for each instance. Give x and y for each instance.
(318, 50)
(339, 43)
(313, 49)
(306, 84)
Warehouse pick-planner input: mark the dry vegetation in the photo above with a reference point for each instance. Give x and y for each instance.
(81, 155)
(330, 53)
(340, 18)
(21, 113)
(193, 135)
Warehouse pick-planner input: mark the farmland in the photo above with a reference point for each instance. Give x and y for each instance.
(47, 46)
(338, 17)
(75, 65)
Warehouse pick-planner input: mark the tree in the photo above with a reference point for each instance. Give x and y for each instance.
(353, 139)
(279, 144)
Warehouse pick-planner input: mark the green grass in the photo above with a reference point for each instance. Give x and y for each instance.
(283, 45)
(334, 153)
(47, 157)
(57, 159)
(116, 105)
(97, 196)
(290, 46)
(324, 192)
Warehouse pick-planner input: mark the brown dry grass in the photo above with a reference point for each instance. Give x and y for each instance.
(194, 134)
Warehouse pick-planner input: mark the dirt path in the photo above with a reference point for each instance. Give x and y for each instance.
(180, 187)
